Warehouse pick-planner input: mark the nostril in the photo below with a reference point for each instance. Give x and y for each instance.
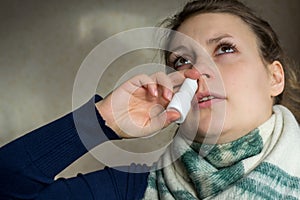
(206, 75)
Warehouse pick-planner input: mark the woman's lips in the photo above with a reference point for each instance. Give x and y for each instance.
(208, 103)
(205, 100)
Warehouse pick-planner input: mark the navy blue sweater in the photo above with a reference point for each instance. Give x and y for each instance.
(29, 164)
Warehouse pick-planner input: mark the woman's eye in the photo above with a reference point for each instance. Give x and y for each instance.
(224, 49)
(181, 62)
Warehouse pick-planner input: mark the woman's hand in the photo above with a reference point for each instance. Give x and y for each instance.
(137, 107)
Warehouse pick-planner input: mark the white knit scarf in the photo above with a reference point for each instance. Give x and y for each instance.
(264, 164)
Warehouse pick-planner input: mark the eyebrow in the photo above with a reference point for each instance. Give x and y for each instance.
(184, 49)
(181, 47)
(208, 42)
(218, 39)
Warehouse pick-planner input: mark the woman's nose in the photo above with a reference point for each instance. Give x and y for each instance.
(202, 77)
(195, 73)
(192, 73)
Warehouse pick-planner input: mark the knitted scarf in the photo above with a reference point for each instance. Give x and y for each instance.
(264, 164)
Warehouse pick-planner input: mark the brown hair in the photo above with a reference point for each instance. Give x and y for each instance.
(267, 39)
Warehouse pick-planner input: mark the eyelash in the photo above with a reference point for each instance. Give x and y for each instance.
(176, 59)
(226, 44)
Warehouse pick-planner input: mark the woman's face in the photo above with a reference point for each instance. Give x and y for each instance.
(240, 83)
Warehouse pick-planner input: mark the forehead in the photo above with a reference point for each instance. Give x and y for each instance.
(203, 27)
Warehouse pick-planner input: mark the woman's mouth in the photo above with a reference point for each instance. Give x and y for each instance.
(205, 101)
(206, 98)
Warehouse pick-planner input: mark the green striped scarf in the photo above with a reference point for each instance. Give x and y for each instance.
(264, 164)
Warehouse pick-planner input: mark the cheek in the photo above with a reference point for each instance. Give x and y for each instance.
(246, 84)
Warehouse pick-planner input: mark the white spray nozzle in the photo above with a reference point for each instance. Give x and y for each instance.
(181, 100)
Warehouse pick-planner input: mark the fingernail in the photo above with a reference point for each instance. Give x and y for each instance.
(174, 119)
(155, 92)
(169, 95)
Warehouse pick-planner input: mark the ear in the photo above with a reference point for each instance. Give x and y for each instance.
(276, 78)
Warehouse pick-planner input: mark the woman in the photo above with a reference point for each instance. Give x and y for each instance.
(256, 152)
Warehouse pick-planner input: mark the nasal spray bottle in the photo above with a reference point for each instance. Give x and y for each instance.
(181, 100)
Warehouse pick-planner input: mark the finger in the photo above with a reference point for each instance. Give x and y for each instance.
(172, 116)
(145, 81)
(164, 81)
(177, 78)
(152, 88)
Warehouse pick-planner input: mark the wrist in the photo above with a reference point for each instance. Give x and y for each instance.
(105, 110)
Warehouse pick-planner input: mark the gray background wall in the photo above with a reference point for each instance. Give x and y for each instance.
(42, 44)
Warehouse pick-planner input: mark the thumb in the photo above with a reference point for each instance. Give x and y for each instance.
(172, 116)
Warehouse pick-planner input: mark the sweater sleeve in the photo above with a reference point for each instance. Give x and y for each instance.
(29, 164)
(106, 184)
